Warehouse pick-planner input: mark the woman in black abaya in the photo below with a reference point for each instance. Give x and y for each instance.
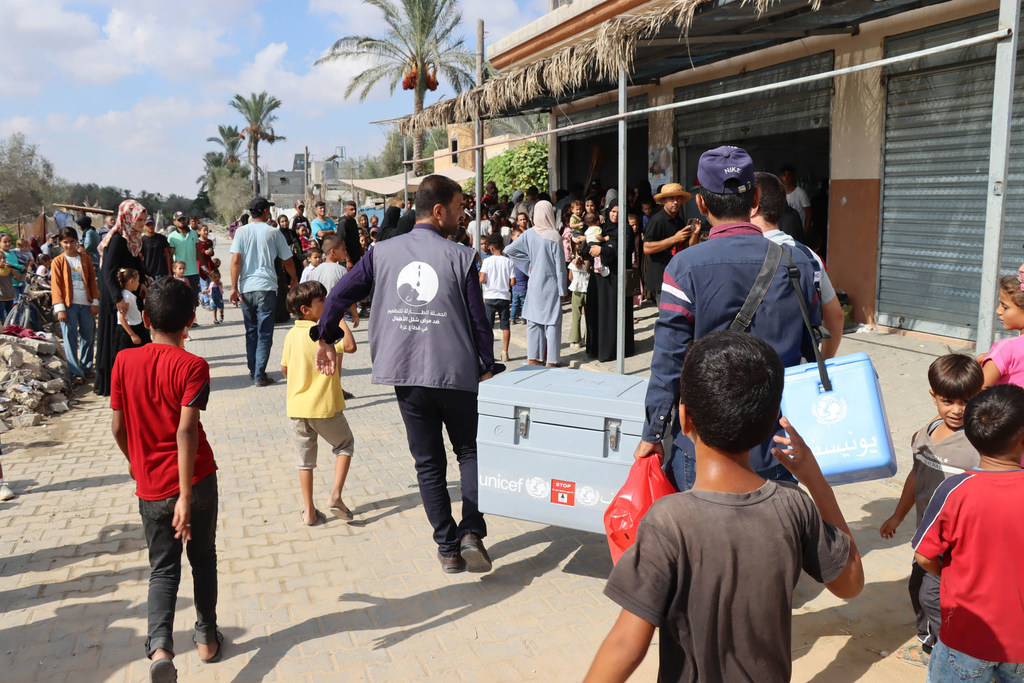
(602, 294)
(120, 249)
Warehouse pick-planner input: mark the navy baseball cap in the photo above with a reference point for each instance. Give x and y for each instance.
(723, 164)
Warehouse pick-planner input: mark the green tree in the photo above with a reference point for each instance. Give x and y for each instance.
(419, 42)
(211, 160)
(517, 168)
(258, 112)
(229, 192)
(230, 140)
(26, 178)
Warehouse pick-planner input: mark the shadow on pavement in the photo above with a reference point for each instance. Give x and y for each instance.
(864, 647)
(112, 540)
(75, 484)
(416, 613)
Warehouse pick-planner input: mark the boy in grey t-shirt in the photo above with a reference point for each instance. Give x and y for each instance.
(714, 568)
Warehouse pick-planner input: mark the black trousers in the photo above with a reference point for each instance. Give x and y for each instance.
(165, 564)
(424, 411)
(924, 596)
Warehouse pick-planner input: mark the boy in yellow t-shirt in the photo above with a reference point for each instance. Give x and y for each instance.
(315, 402)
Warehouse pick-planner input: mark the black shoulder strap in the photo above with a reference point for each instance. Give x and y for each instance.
(772, 259)
(794, 279)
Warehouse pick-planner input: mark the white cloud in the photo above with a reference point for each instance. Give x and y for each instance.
(349, 17)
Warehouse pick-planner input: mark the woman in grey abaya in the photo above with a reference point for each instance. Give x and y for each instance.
(538, 252)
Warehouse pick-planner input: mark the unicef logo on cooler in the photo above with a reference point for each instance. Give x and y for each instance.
(417, 284)
(829, 410)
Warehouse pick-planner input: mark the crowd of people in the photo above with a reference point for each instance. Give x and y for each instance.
(433, 295)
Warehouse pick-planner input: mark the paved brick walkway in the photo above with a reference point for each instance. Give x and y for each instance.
(367, 601)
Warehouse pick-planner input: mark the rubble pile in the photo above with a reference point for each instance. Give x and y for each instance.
(34, 380)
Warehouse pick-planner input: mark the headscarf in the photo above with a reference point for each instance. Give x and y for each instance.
(544, 223)
(391, 216)
(127, 218)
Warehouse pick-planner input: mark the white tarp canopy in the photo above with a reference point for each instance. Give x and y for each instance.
(395, 184)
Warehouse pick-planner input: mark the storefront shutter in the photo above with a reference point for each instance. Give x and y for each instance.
(934, 177)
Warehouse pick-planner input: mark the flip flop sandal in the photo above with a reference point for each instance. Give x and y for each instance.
(163, 671)
(342, 512)
(220, 649)
(318, 519)
(915, 654)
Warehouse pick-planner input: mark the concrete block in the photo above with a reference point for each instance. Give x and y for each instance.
(26, 420)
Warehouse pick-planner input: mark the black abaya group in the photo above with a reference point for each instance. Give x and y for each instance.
(120, 249)
(602, 293)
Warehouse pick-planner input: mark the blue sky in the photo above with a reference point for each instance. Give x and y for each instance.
(126, 92)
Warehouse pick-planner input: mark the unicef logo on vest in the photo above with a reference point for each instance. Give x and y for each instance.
(417, 284)
(829, 410)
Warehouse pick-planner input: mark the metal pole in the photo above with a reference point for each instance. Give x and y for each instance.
(405, 170)
(620, 303)
(998, 169)
(479, 153)
(990, 37)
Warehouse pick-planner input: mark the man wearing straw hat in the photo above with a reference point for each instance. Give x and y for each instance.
(665, 230)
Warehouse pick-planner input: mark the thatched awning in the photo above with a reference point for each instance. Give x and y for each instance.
(651, 44)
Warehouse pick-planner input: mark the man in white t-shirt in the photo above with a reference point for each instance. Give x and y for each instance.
(496, 279)
(796, 197)
(769, 211)
(474, 232)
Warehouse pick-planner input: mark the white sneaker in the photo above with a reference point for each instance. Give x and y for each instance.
(5, 492)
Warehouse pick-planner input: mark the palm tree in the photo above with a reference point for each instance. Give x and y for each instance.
(211, 160)
(230, 141)
(258, 111)
(419, 42)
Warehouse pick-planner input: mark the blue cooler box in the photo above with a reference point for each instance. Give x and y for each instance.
(846, 428)
(555, 445)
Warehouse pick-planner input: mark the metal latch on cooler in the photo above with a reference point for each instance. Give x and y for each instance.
(523, 420)
(613, 428)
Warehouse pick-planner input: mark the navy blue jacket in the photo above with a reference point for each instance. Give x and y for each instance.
(703, 288)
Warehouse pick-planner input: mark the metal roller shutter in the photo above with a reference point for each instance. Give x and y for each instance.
(788, 110)
(935, 171)
(632, 104)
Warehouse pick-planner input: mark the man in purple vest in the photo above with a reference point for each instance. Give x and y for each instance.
(430, 339)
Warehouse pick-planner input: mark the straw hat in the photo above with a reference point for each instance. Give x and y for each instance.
(672, 190)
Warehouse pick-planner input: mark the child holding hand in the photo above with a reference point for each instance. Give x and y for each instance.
(131, 322)
(315, 401)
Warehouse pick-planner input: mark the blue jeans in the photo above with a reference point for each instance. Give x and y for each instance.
(258, 316)
(951, 666)
(681, 468)
(165, 565)
(78, 332)
(516, 308)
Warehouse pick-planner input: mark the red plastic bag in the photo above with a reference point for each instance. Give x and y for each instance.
(645, 484)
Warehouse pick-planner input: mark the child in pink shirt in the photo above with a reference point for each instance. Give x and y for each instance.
(1004, 363)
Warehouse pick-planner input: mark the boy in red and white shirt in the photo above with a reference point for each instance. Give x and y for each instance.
(972, 534)
(157, 391)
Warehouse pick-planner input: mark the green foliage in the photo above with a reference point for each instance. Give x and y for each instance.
(229, 192)
(517, 168)
(10, 230)
(26, 178)
(258, 111)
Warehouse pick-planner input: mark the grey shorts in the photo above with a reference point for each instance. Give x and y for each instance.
(333, 430)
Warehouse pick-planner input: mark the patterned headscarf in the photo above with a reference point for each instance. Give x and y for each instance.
(127, 218)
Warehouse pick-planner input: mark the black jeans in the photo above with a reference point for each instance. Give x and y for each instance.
(165, 562)
(924, 596)
(424, 411)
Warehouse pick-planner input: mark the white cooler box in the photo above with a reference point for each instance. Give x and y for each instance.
(555, 445)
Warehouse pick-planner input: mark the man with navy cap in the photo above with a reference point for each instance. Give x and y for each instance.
(703, 289)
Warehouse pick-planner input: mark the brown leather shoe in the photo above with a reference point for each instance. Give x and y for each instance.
(474, 554)
(451, 564)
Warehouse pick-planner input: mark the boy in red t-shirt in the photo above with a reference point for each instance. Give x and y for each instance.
(972, 534)
(157, 391)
